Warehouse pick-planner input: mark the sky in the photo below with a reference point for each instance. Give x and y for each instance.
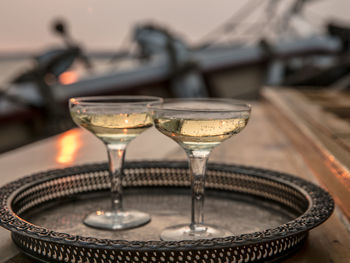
(104, 24)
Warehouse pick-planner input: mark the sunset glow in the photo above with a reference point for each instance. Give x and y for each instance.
(68, 77)
(68, 146)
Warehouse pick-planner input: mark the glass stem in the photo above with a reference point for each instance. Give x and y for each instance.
(116, 160)
(198, 163)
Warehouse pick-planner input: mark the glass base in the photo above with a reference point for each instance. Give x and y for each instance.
(114, 221)
(185, 232)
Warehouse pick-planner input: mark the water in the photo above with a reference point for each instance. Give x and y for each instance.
(10, 68)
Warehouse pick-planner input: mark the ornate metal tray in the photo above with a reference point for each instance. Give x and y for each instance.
(269, 212)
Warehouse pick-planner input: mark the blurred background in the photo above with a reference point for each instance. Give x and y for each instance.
(53, 50)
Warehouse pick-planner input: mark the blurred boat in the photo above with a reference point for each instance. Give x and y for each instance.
(163, 64)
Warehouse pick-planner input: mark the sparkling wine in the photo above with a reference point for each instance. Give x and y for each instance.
(114, 128)
(198, 125)
(200, 134)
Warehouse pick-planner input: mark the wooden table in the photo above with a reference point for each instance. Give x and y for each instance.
(261, 144)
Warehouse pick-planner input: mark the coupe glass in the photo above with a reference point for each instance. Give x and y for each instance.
(115, 120)
(198, 125)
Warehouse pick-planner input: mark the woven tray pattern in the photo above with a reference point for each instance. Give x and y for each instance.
(313, 204)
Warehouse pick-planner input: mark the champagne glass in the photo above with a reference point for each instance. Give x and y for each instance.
(115, 120)
(198, 125)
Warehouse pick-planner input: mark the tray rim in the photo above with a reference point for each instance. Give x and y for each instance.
(298, 225)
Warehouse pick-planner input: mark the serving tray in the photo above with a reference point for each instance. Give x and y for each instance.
(270, 213)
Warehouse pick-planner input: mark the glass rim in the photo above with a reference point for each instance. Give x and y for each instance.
(108, 100)
(160, 107)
